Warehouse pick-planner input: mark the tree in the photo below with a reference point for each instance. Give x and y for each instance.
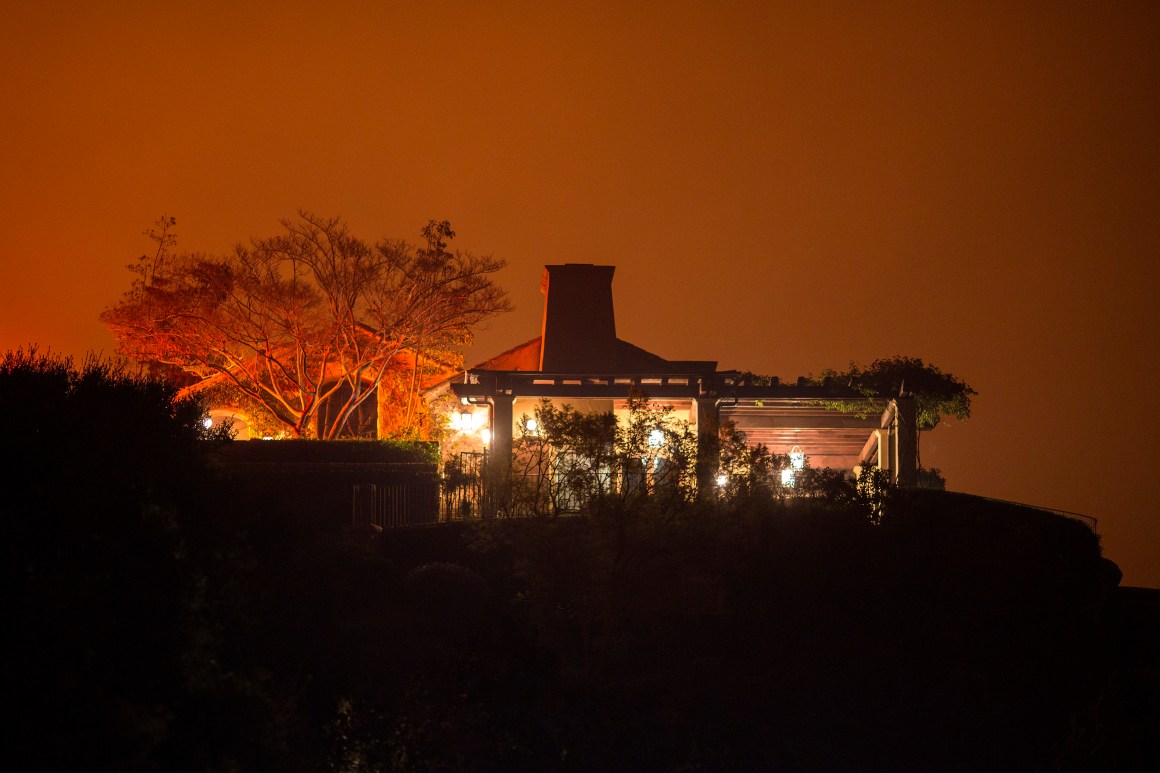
(308, 324)
(567, 460)
(936, 394)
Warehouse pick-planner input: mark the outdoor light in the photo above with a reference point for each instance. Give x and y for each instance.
(656, 438)
(722, 479)
(467, 421)
(531, 425)
(787, 477)
(207, 422)
(485, 436)
(797, 458)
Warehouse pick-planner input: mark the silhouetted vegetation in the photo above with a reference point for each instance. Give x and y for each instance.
(102, 486)
(158, 624)
(937, 394)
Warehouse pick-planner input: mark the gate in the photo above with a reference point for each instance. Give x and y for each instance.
(464, 495)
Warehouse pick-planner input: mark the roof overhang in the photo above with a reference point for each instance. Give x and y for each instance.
(724, 386)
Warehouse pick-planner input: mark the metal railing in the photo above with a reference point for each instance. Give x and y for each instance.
(392, 505)
(460, 495)
(1090, 521)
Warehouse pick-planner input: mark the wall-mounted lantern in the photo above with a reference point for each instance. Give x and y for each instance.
(797, 463)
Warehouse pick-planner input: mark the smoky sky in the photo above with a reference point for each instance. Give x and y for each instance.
(783, 187)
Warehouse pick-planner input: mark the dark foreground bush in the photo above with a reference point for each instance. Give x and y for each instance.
(102, 470)
(955, 636)
(159, 624)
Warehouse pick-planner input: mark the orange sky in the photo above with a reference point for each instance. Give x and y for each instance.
(784, 187)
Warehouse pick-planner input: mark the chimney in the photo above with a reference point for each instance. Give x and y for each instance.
(579, 333)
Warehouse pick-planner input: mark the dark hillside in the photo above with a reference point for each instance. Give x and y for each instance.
(1120, 730)
(961, 634)
(165, 615)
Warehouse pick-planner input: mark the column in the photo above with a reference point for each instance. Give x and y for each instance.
(885, 452)
(708, 443)
(501, 428)
(906, 444)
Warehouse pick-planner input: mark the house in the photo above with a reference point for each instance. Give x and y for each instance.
(579, 360)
